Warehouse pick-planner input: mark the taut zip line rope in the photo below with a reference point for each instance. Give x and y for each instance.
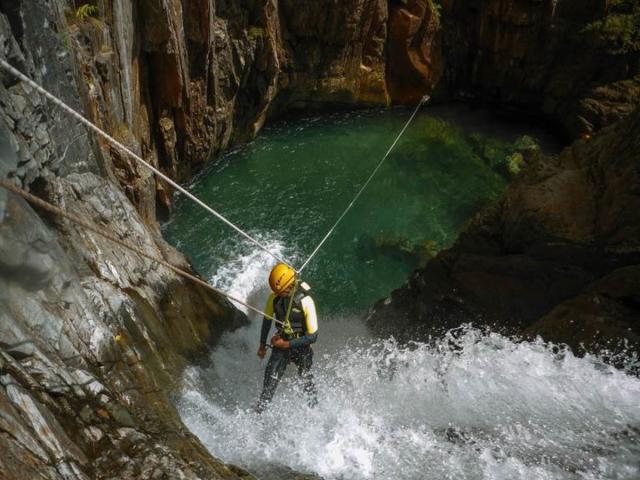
(4, 64)
(102, 133)
(375, 170)
(78, 221)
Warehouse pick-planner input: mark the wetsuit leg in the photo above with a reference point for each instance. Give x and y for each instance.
(304, 361)
(272, 374)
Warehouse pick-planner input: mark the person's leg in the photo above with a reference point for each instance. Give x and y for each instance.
(304, 361)
(272, 375)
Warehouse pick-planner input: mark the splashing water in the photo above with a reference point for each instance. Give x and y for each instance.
(243, 276)
(475, 406)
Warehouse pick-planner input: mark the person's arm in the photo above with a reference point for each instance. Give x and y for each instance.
(311, 320)
(266, 322)
(266, 326)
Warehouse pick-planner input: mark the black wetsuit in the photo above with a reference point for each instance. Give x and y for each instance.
(300, 351)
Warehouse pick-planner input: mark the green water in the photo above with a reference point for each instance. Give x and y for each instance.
(290, 185)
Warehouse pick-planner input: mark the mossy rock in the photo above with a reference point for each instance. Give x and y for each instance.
(526, 144)
(416, 254)
(514, 163)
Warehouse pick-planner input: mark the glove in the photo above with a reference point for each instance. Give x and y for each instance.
(262, 351)
(278, 342)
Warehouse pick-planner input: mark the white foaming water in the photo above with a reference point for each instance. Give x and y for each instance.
(245, 276)
(478, 406)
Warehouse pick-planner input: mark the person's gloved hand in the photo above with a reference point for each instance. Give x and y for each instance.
(262, 351)
(278, 342)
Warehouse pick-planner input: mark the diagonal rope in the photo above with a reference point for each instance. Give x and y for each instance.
(121, 147)
(109, 236)
(423, 100)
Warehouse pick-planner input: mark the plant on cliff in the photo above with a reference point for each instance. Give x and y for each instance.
(255, 32)
(621, 25)
(85, 11)
(436, 10)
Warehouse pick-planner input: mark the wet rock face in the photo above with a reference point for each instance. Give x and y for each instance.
(550, 58)
(332, 53)
(415, 57)
(556, 256)
(91, 345)
(92, 337)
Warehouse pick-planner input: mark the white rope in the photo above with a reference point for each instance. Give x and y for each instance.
(375, 170)
(110, 236)
(124, 149)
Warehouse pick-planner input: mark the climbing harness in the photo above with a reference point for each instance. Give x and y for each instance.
(78, 221)
(287, 329)
(423, 100)
(121, 147)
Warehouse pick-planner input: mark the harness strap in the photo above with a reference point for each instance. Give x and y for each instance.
(287, 329)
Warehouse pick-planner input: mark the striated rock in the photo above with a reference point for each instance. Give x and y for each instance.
(565, 231)
(50, 434)
(415, 60)
(93, 341)
(76, 363)
(545, 58)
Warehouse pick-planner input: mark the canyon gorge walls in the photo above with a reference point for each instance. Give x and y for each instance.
(93, 339)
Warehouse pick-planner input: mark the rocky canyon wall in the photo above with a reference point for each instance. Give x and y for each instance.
(182, 80)
(93, 339)
(574, 62)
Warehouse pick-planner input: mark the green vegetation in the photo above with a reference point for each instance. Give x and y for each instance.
(85, 11)
(80, 14)
(504, 158)
(414, 253)
(254, 32)
(621, 25)
(66, 41)
(436, 9)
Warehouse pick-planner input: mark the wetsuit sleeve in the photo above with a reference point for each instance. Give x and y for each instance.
(311, 321)
(266, 322)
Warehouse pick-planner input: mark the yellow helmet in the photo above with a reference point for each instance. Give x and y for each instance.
(281, 277)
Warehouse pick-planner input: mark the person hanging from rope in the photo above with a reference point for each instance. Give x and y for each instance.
(291, 304)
